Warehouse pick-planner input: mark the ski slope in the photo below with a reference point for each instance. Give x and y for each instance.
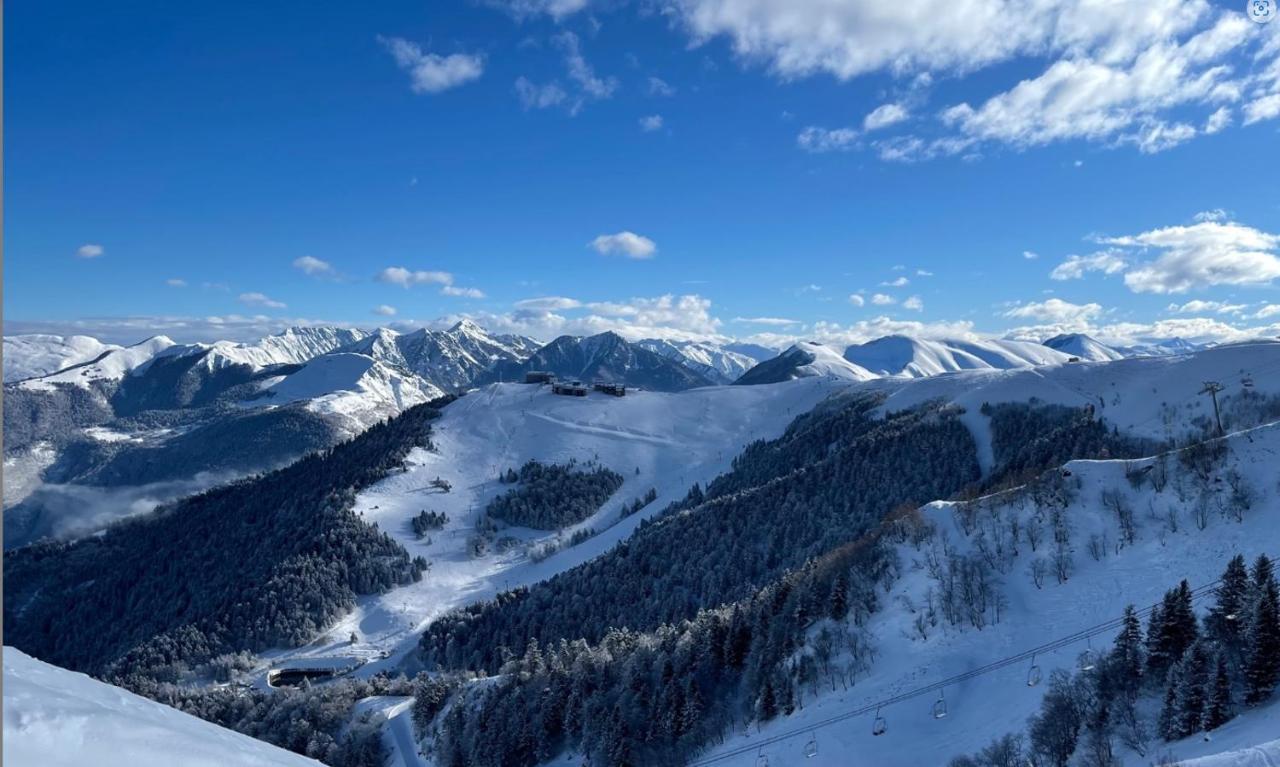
(31, 356)
(991, 704)
(911, 357)
(671, 439)
(59, 718)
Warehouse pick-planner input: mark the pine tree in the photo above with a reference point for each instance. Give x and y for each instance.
(1227, 617)
(1194, 689)
(1157, 663)
(1169, 725)
(1262, 666)
(838, 608)
(1219, 712)
(1127, 654)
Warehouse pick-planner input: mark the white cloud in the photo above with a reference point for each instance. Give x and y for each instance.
(1056, 310)
(896, 283)
(522, 9)
(1262, 108)
(548, 303)
(260, 299)
(1217, 214)
(398, 275)
(431, 72)
(1270, 310)
(914, 303)
(90, 250)
(457, 292)
(880, 299)
(1030, 255)
(533, 96)
(651, 123)
(176, 282)
(857, 300)
(313, 266)
(1217, 121)
(923, 273)
(581, 72)
(624, 243)
(1201, 255)
(660, 87)
(1075, 267)
(1198, 306)
(776, 321)
(883, 116)
(383, 310)
(818, 140)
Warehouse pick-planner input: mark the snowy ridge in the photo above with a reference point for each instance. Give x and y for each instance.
(356, 388)
(32, 356)
(59, 718)
(716, 362)
(112, 365)
(804, 360)
(917, 357)
(291, 346)
(1084, 347)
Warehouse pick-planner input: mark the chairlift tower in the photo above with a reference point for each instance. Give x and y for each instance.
(1212, 388)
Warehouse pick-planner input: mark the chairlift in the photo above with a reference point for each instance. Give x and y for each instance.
(1247, 382)
(940, 706)
(1088, 659)
(879, 725)
(811, 748)
(1033, 673)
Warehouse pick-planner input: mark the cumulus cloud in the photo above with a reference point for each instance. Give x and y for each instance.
(90, 250)
(262, 300)
(398, 275)
(585, 84)
(659, 87)
(383, 310)
(1201, 255)
(431, 72)
(548, 303)
(880, 299)
(651, 123)
(914, 303)
(312, 266)
(1262, 108)
(896, 283)
(857, 300)
(1075, 267)
(534, 96)
(624, 243)
(1030, 255)
(176, 282)
(1056, 310)
(776, 321)
(1198, 306)
(522, 9)
(883, 116)
(457, 292)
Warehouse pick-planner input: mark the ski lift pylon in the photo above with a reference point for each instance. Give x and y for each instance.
(940, 706)
(1033, 673)
(811, 748)
(878, 725)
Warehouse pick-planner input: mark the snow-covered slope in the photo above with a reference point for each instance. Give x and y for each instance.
(446, 359)
(354, 387)
(804, 360)
(59, 718)
(1083, 346)
(31, 356)
(711, 360)
(918, 357)
(916, 648)
(292, 346)
(112, 365)
(607, 356)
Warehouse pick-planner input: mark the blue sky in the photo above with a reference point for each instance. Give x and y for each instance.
(689, 168)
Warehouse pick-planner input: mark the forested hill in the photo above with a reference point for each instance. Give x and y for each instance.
(267, 561)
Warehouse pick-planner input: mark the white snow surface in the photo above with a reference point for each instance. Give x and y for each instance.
(712, 360)
(827, 362)
(34, 355)
(291, 346)
(112, 365)
(1083, 346)
(673, 439)
(990, 705)
(912, 357)
(59, 718)
(354, 387)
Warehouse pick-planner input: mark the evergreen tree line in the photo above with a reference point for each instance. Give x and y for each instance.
(1202, 671)
(426, 521)
(721, 546)
(268, 561)
(551, 496)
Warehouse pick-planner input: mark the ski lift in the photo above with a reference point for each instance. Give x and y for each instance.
(940, 706)
(1247, 382)
(1088, 659)
(878, 726)
(761, 759)
(1033, 673)
(811, 748)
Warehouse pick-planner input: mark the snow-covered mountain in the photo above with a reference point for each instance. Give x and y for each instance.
(109, 367)
(59, 718)
(717, 363)
(918, 357)
(1084, 347)
(31, 356)
(291, 346)
(447, 359)
(607, 356)
(803, 360)
(1161, 348)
